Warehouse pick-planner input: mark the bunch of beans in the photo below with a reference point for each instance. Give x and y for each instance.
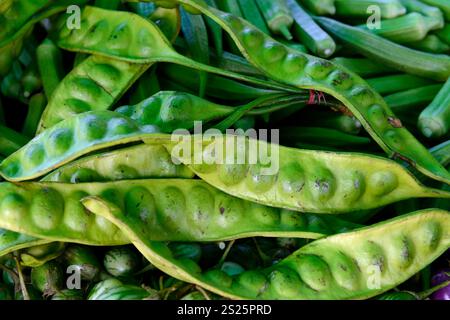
(102, 196)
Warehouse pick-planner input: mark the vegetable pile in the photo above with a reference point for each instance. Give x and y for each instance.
(97, 98)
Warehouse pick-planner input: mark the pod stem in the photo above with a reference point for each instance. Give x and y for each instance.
(23, 287)
(285, 32)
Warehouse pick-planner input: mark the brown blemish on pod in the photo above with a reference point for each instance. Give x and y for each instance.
(404, 252)
(230, 210)
(341, 80)
(291, 179)
(318, 69)
(371, 255)
(429, 235)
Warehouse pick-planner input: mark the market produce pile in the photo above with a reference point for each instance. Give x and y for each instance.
(102, 196)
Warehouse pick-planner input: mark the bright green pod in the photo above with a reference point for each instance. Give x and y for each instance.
(95, 84)
(129, 37)
(354, 265)
(278, 16)
(137, 162)
(431, 43)
(181, 210)
(70, 139)
(296, 179)
(307, 72)
(171, 110)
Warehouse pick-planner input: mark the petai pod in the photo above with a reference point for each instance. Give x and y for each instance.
(129, 37)
(95, 84)
(70, 139)
(136, 162)
(172, 110)
(168, 209)
(304, 71)
(11, 241)
(354, 265)
(296, 179)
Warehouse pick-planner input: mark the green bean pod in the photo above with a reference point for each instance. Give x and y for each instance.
(120, 35)
(308, 72)
(431, 43)
(323, 7)
(137, 162)
(95, 84)
(363, 67)
(170, 110)
(434, 121)
(174, 209)
(69, 140)
(353, 265)
(295, 179)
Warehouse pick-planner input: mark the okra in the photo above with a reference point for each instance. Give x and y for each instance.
(386, 52)
(408, 28)
(361, 8)
(397, 82)
(434, 121)
(309, 33)
(277, 15)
